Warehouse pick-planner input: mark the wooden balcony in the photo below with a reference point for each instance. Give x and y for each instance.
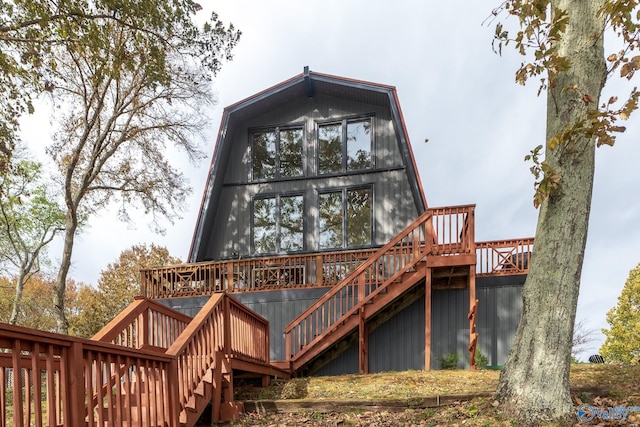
(450, 244)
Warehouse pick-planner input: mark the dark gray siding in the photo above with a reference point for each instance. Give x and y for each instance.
(346, 363)
(398, 344)
(279, 307)
(189, 306)
(499, 310)
(394, 206)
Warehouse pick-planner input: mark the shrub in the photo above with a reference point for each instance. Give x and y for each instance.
(449, 361)
(482, 361)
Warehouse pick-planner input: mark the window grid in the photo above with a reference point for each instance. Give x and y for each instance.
(277, 223)
(277, 153)
(345, 217)
(346, 145)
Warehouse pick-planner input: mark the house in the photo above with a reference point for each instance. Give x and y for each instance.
(314, 253)
(314, 216)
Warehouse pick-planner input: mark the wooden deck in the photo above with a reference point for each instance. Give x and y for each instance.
(438, 250)
(151, 366)
(452, 230)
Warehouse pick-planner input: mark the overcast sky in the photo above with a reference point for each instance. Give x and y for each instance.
(453, 90)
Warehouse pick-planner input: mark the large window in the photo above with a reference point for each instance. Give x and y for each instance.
(345, 218)
(344, 146)
(276, 153)
(278, 224)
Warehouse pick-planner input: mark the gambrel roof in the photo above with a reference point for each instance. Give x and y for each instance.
(305, 85)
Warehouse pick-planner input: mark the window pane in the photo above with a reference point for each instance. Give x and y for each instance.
(291, 152)
(264, 155)
(330, 148)
(264, 225)
(359, 145)
(359, 217)
(331, 220)
(291, 223)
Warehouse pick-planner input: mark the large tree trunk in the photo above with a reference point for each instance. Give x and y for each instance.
(71, 225)
(534, 384)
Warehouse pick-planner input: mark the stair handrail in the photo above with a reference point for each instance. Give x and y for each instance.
(195, 350)
(248, 333)
(420, 246)
(144, 324)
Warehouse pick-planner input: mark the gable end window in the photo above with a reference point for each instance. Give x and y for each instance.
(276, 153)
(278, 224)
(345, 218)
(344, 146)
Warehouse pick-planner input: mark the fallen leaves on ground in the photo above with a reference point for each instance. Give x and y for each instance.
(623, 383)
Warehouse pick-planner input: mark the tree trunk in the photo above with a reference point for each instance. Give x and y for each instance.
(71, 225)
(17, 299)
(534, 384)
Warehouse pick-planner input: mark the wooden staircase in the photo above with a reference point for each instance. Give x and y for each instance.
(224, 336)
(440, 239)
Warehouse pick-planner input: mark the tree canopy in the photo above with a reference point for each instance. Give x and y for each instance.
(37, 310)
(129, 81)
(118, 284)
(32, 31)
(30, 218)
(622, 342)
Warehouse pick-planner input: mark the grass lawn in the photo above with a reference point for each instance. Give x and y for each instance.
(623, 383)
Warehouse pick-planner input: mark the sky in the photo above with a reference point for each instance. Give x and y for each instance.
(453, 90)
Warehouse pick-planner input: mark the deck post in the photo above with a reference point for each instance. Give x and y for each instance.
(427, 319)
(473, 313)
(363, 343)
(230, 284)
(287, 341)
(226, 326)
(76, 409)
(319, 270)
(143, 330)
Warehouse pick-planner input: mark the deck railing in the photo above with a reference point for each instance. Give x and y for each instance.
(248, 334)
(452, 226)
(56, 380)
(251, 274)
(144, 324)
(503, 257)
(146, 379)
(438, 231)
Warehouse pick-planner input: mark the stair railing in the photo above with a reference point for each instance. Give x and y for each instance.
(248, 334)
(223, 327)
(442, 231)
(195, 349)
(144, 324)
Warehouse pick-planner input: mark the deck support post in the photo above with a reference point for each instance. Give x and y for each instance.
(473, 313)
(76, 390)
(319, 270)
(427, 319)
(363, 343)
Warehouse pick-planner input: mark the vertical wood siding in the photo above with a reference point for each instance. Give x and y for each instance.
(398, 344)
(394, 206)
